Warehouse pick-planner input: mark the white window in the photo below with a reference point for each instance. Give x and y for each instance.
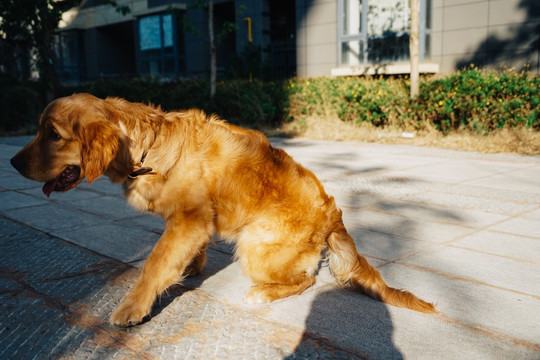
(161, 50)
(377, 31)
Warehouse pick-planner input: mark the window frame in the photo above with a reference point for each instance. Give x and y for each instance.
(363, 38)
(177, 55)
(74, 70)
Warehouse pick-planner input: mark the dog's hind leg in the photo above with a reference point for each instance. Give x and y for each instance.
(181, 242)
(279, 268)
(269, 292)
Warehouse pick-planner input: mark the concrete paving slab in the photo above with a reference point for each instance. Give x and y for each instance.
(467, 202)
(388, 187)
(506, 273)
(14, 181)
(419, 211)
(118, 242)
(459, 341)
(411, 227)
(384, 246)
(455, 171)
(502, 244)
(345, 199)
(483, 192)
(66, 198)
(520, 180)
(437, 213)
(145, 221)
(112, 207)
(533, 214)
(470, 303)
(520, 226)
(51, 217)
(10, 200)
(103, 186)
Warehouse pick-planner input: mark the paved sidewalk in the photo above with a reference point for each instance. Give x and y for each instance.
(460, 229)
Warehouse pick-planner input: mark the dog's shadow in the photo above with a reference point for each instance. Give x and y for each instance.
(346, 325)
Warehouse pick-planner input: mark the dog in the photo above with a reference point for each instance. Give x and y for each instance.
(203, 176)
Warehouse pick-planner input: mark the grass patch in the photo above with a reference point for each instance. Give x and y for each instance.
(509, 140)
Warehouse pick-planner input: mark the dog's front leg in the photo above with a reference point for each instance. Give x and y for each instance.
(184, 237)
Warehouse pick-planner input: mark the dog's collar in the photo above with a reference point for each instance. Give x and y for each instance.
(139, 169)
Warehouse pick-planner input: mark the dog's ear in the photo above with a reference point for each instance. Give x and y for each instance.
(100, 143)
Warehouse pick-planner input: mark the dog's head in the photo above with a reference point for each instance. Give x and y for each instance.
(75, 140)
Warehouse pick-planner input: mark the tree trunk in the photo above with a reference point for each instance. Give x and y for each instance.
(213, 68)
(47, 66)
(414, 48)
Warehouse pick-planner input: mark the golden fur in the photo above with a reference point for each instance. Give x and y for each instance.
(206, 177)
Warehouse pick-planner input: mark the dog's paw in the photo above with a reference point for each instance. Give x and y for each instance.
(129, 313)
(257, 295)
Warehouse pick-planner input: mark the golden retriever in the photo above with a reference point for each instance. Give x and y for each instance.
(203, 176)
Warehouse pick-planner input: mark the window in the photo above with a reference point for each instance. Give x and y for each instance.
(68, 56)
(377, 31)
(160, 47)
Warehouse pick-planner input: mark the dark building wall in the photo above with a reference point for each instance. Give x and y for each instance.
(110, 50)
(197, 39)
(196, 43)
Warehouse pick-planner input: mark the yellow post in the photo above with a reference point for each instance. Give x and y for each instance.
(250, 39)
(248, 20)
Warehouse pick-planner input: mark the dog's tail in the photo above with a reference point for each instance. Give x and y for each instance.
(352, 270)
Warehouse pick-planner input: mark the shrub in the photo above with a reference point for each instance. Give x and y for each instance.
(255, 103)
(21, 104)
(481, 101)
(131, 89)
(471, 99)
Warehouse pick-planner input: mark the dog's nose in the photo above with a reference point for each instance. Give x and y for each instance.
(17, 163)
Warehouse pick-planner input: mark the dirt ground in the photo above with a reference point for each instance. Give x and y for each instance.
(514, 141)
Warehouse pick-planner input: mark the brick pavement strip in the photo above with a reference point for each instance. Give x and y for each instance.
(56, 298)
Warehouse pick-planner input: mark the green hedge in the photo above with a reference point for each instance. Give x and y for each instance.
(251, 103)
(20, 103)
(482, 101)
(472, 99)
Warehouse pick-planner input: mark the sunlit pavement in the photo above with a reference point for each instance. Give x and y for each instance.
(458, 229)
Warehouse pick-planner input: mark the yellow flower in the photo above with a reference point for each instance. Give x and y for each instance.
(307, 83)
(500, 100)
(441, 102)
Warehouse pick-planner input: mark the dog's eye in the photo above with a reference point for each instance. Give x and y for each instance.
(53, 135)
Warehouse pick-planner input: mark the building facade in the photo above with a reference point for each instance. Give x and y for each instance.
(169, 38)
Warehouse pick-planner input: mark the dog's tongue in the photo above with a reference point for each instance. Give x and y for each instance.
(68, 177)
(49, 187)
